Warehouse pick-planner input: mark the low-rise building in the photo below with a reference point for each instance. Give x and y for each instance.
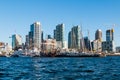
(118, 49)
(2, 46)
(49, 44)
(97, 45)
(108, 46)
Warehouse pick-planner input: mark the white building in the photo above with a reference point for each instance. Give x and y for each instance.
(97, 45)
(2, 46)
(16, 41)
(35, 35)
(48, 45)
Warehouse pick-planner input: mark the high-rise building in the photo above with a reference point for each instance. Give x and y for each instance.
(108, 45)
(27, 42)
(87, 43)
(35, 35)
(69, 39)
(49, 37)
(16, 41)
(109, 35)
(42, 39)
(98, 35)
(59, 33)
(55, 34)
(74, 37)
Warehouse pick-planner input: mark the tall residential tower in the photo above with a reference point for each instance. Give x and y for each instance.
(109, 45)
(98, 35)
(109, 35)
(59, 34)
(74, 37)
(35, 35)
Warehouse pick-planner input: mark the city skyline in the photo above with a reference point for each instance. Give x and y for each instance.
(16, 16)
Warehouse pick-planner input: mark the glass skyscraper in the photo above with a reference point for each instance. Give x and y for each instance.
(16, 41)
(35, 35)
(59, 33)
(109, 35)
(74, 37)
(69, 40)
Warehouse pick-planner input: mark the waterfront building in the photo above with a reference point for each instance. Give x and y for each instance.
(74, 38)
(110, 35)
(35, 36)
(2, 46)
(27, 42)
(87, 43)
(42, 36)
(65, 44)
(59, 44)
(49, 45)
(118, 49)
(16, 41)
(8, 48)
(49, 37)
(69, 40)
(108, 45)
(96, 45)
(59, 33)
(55, 34)
(98, 35)
(30, 40)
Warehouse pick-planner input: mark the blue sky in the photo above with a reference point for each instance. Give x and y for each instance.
(16, 16)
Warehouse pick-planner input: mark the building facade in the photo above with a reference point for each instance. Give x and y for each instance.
(2, 46)
(16, 41)
(98, 35)
(109, 45)
(69, 40)
(59, 33)
(110, 35)
(42, 36)
(35, 36)
(74, 38)
(96, 46)
(48, 45)
(118, 49)
(27, 42)
(87, 43)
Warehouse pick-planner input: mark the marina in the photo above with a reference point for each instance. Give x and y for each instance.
(21, 53)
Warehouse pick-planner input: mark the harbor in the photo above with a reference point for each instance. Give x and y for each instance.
(21, 53)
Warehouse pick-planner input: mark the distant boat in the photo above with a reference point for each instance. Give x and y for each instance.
(19, 53)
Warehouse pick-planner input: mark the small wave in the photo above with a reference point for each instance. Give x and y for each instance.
(89, 71)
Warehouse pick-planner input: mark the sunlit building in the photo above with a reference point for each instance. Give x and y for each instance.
(35, 35)
(49, 44)
(96, 45)
(16, 41)
(74, 38)
(109, 45)
(98, 35)
(110, 35)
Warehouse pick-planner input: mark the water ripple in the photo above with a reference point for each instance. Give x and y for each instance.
(60, 68)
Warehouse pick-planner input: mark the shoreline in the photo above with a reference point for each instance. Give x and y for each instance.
(115, 54)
